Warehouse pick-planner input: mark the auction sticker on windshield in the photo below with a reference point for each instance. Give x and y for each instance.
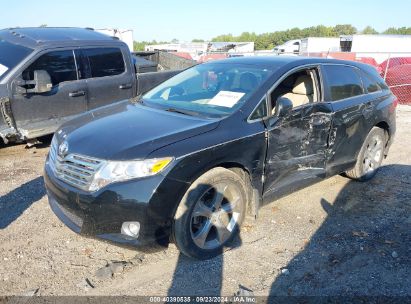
(3, 69)
(226, 99)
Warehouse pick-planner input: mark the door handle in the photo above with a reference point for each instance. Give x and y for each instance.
(77, 94)
(125, 86)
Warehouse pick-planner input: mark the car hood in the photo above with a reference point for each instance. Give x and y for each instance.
(126, 131)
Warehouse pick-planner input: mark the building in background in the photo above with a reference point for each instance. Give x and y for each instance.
(377, 46)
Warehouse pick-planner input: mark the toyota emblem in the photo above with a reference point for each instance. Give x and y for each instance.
(63, 149)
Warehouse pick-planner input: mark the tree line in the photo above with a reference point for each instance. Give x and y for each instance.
(266, 41)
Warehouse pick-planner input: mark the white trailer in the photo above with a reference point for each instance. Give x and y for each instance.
(380, 47)
(319, 45)
(124, 35)
(376, 43)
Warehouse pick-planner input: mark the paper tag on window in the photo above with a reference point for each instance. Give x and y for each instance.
(3, 69)
(226, 99)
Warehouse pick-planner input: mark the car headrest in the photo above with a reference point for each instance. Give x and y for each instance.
(303, 85)
(248, 81)
(288, 82)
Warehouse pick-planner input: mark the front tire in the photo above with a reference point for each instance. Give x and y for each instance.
(370, 157)
(210, 214)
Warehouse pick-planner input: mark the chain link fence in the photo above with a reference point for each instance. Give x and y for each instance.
(396, 70)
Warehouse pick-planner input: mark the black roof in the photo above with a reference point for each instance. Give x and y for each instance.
(34, 36)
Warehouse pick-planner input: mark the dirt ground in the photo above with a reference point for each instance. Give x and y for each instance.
(337, 237)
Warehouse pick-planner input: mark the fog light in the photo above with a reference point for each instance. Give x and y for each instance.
(131, 229)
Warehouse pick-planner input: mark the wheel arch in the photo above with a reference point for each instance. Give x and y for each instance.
(253, 197)
(386, 127)
(383, 125)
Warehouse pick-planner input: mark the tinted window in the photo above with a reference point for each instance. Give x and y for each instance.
(60, 65)
(375, 77)
(105, 61)
(370, 85)
(343, 81)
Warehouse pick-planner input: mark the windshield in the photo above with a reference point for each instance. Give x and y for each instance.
(10, 56)
(212, 89)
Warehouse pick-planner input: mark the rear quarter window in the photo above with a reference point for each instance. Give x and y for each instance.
(373, 78)
(370, 85)
(343, 82)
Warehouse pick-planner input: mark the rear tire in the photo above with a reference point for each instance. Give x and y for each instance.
(370, 157)
(210, 214)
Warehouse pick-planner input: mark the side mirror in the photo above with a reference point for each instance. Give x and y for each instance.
(42, 82)
(283, 106)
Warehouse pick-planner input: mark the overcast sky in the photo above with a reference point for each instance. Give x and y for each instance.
(185, 20)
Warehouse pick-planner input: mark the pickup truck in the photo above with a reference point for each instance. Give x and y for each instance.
(51, 75)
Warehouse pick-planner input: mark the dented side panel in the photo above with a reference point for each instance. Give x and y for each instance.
(8, 129)
(40, 114)
(353, 120)
(349, 129)
(297, 148)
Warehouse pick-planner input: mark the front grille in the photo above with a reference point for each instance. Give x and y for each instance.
(76, 170)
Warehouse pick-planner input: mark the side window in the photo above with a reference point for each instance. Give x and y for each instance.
(375, 78)
(370, 85)
(260, 111)
(59, 64)
(105, 61)
(343, 82)
(299, 87)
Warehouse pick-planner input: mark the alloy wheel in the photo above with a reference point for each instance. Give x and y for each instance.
(216, 215)
(373, 155)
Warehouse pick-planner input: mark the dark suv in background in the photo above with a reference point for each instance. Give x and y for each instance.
(214, 143)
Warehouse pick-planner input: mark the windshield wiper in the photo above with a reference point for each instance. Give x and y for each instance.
(185, 112)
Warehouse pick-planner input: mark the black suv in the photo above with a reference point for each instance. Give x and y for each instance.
(197, 153)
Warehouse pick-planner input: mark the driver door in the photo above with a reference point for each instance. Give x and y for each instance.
(38, 114)
(297, 144)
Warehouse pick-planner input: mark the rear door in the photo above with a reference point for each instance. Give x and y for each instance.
(109, 78)
(353, 110)
(37, 114)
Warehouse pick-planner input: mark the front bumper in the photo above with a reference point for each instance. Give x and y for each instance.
(150, 201)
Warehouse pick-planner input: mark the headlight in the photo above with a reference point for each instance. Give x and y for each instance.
(116, 171)
(54, 142)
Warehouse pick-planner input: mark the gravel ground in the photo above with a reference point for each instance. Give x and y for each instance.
(337, 237)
